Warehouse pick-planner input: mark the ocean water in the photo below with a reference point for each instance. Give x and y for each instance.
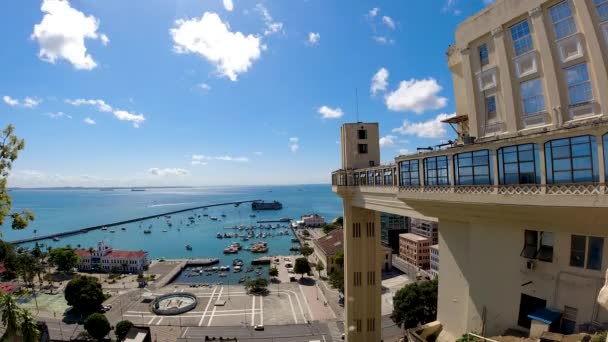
(61, 210)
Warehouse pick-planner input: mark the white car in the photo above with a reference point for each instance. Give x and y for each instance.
(290, 270)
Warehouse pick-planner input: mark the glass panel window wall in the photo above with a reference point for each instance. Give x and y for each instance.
(436, 171)
(519, 164)
(473, 168)
(572, 160)
(409, 172)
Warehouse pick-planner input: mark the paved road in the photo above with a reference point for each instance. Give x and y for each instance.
(294, 332)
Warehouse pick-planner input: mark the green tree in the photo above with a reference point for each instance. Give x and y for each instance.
(64, 258)
(339, 259)
(339, 220)
(10, 145)
(8, 256)
(256, 285)
(97, 325)
(29, 328)
(84, 337)
(306, 250)
(122, 329)
(336, 279)
(10, 317)
(273, 272)
(415, 304)
(319, 267)
(327, 228)
(84, 294)
(301, 266)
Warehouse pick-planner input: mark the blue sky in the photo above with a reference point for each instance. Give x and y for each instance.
(217, 92)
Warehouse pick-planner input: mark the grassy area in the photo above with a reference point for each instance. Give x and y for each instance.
(49, 303)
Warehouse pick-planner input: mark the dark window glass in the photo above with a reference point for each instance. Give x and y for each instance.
(606, 154)
(577, 251)
(388, 177)
(362, 134)
(473, 168)
(572, 160)
(436, 171)
(484, 57)
(545, 250)
(602, 9)
(594, 253)
(370, 178)
(362, 148)
(409, 172)
(518, 164)
(530, 244)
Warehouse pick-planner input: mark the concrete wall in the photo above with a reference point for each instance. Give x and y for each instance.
(349, 141)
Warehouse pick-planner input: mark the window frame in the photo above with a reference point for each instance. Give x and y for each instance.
(556, 22)
(459, 158)
(438, 180)
(411, 180)
(589, 256)
(362, 148)
(491, 116)
(484, 54)
(552, 145)
(545, 250)
(604, 5)
(364, 131)
(536, 96)
(502, 152)
(530, 249)
(574, 259)
(579, 84)
(387, 173)
(518, 29)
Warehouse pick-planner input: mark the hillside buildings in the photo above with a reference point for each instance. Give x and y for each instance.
(106, 259)
(521, 193)
(415, 250)
(312, 220)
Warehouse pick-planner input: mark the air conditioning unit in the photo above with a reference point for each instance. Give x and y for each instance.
(530, 264)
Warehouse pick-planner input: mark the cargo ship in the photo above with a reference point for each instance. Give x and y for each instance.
(261, 205)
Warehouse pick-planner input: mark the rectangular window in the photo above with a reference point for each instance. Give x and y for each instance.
(571, 160)
(522, 40)
(594, 253)
(545, 251)
(602, 9)
(491, 108)
(569, 320)
(362, 133)
(518, 164)
(473, 168)
(577, 251)
(371, 178)
(409, 172)
(530, 244)
(579, 85)
(388, 177)
(532, 96)
(484, 57)
(436, 171)
(362, 148)
(563, 22)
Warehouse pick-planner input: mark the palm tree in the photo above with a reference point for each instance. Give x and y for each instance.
(10, 317)
(29, 328)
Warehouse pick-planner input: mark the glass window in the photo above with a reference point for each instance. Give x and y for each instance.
(362, 148)
(388, 177)
(579, 86)
(577, 251)
(532, 96)
(522, 40)
(378, 175)
(409, 172)
(370, 177)
(491, 107)
(530, 244)
(436, 171)
(545, 250)
(363, 178)
(606, 155)
(362, 134)
(602, 9)
(572, 160)
(473, 168)
(563, 22)
(484, 57)
(594, 253)
(519, 164)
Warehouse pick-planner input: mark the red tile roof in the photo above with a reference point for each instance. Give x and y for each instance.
(331, 243)
(115, 254)
(8, 288)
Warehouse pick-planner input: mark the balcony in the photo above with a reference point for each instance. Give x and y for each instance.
(556, 169)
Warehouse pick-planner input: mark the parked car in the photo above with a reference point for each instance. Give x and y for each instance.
(259, 327)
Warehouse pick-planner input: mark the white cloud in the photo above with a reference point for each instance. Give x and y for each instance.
(388, 21)
(379, 81)
(388, 140)
(330, 113)
(257, 153)
(102, 106)
(89, 121)
(313, 38)
(433, 128)
(373, 12)
(232, 53)
(451, 7)
(58, 115)
(383, 40)
(201, 159)
(10, 101)
(228, 5)
(27, 102)
(294, 144)
(135, 118)
(62, 32)
(416, 96)
(168, 172)
(204, 87)
(404, 151)
(272, 26)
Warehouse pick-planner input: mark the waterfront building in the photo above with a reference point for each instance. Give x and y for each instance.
(415, 250)
(391, 226)
(106, 259)
(313, 220)
(520, 193)
(426, 228)
(434, 265)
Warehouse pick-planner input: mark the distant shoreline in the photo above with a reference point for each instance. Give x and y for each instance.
(154, 187)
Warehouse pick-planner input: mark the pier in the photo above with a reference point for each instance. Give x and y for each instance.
(283, 220)
(88, 229)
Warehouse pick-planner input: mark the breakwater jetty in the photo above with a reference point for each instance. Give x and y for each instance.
(144, 218)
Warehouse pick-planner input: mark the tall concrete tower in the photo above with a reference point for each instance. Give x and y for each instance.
(362, 259)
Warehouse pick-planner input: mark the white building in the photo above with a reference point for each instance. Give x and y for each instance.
(313, 220)
(435, 261)
(104, 258)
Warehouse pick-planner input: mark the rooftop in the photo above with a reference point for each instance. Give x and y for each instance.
(114, 254)
(413, 237)
(331, 243)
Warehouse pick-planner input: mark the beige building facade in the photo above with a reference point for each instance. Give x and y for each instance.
(521, 195)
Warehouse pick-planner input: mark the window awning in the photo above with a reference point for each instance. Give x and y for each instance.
(545, 315)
